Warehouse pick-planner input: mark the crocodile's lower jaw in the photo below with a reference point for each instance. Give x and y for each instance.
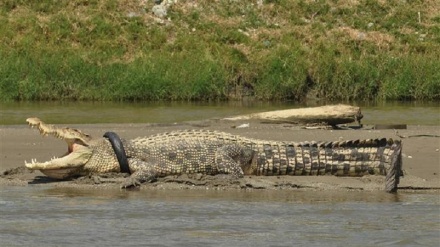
(61, 173)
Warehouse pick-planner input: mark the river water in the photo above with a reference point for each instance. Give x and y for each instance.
(48, 216)
(414, 113)
(38, 216)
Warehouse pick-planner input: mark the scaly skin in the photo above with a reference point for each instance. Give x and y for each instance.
(211, 152)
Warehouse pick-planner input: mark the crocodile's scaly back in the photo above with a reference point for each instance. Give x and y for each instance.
(189, 135)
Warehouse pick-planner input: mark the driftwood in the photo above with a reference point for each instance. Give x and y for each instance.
(330, 115)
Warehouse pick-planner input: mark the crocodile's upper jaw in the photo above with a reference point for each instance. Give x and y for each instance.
(71, 163)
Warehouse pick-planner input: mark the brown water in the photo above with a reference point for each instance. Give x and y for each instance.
(37, 216)
(415, 113)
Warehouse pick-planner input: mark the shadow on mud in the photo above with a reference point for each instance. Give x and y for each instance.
(46, 180)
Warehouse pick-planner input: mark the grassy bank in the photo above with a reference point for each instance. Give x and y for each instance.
(205, 50)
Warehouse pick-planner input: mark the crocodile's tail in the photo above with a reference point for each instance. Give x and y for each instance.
(340, 158)
(395, 170)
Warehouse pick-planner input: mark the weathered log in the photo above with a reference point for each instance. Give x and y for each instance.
(329, 114)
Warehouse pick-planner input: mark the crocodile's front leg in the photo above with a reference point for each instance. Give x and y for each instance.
(143, 172)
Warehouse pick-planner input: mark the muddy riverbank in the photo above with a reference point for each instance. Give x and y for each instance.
(421, 157)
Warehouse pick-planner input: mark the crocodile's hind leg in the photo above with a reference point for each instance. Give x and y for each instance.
(227, 160)
(143, 172)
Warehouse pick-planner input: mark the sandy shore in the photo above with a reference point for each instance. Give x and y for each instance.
(421, 157)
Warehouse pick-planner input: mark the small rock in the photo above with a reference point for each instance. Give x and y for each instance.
(159, 11)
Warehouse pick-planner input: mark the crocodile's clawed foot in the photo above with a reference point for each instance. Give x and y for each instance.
(96, 179)
(131, 184)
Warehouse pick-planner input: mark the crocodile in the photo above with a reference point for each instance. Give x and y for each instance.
(213, 152)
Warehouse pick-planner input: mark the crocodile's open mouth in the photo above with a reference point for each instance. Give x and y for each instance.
(60, 167)
(78, 152)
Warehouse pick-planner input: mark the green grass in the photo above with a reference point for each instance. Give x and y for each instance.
(105, 50)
